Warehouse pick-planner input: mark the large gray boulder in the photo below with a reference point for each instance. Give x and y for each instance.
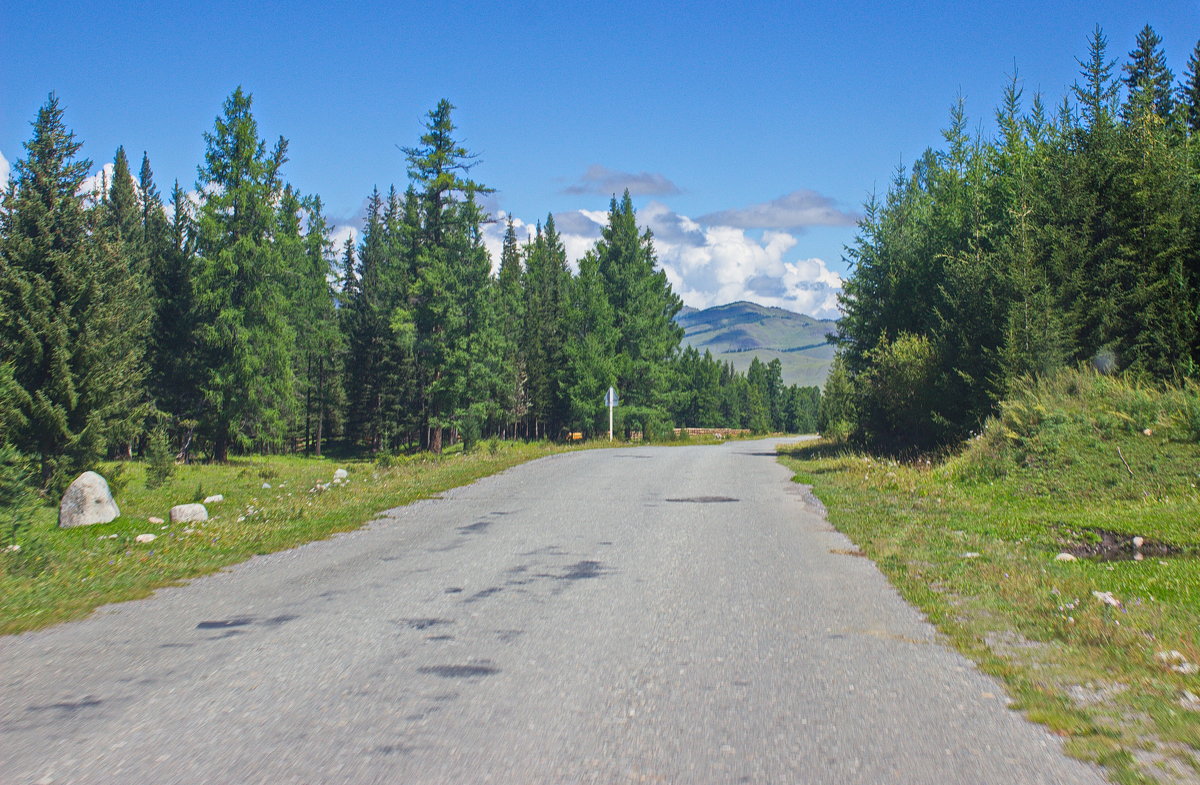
(188, 513)
(87, 501)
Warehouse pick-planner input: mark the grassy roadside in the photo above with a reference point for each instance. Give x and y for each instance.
(1103, 652)
(62, 574)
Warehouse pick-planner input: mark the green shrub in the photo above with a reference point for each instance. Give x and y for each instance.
(160, 459)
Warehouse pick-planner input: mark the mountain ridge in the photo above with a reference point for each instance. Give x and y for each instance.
(738, 332)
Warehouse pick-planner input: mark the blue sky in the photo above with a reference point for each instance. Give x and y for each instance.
(749, 135)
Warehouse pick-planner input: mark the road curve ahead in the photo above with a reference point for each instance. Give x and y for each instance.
(658, 614)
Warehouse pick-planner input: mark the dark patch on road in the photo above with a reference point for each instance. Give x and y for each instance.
(224, 624)
(459, 671)
(69, 707)
(508, 636)
(451, 547)
(582, 570)
(475, 528)
(605, 542)
(635, 457)
(761, 454)
(176, 645)
(392, 749)
(484, 594)
(439, 637)
(704, 499)
(424, 624)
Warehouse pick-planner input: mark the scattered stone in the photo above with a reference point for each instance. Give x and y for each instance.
(153, 519)
(1189, 701)
(971, 555)
(14, 548)
(87, 501)
(1187, 668)
(266, 485)
(1065, 557)
(145, 538)
(1147, 432)
(188, 513)
(1107, 598)
(1137, 542)
(1169, 656)
(341, 474)
(214, 498)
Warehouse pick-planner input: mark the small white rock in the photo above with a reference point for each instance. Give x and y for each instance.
(1171, 655)
(1107, 598)
(971, 555)
(13, 548)
(188, 513)
(266, 485)
(1189, 701)
(153, 519)
(1064, 556)
(145, 538)
(216, 497)
(1187, 668)
(341, 474)
(1137, 542)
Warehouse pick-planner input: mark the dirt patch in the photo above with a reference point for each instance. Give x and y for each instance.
(1116, 546)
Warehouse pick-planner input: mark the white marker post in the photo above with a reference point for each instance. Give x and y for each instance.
(610, 400)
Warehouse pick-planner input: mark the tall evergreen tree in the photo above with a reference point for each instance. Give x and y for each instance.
(1190, 91)
(643, 306)
(71, 381)
(245, 339)
(451, 299)
(546, 280)
(1147, 72)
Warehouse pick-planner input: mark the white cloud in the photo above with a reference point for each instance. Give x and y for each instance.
(790, 211)
(338, 234)
(93, 185)
(609, 182)
(711, 265)
(5, 169)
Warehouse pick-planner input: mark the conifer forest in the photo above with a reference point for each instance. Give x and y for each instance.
(1071, 235)
(215, 319)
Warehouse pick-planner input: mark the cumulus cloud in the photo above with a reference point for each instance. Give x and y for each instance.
(604, 181)
(709, 264)
(5, 169)
(791, 211)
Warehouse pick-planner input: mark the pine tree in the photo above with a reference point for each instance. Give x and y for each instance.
(450, 306)
(590, 348)
(1190, 91)
(510, 312)
(546, 280)
(72, 380)
(245, 340)
(1147, 72)
(643, 307)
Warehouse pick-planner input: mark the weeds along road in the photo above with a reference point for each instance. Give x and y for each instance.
(658, 614)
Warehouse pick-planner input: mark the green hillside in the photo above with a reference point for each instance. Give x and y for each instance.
(739, 332)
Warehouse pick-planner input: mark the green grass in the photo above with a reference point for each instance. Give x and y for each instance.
(62, 574)
(972, 542)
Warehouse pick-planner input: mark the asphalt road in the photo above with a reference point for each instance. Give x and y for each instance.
(659, 614)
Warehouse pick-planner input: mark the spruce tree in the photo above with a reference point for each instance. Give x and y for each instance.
(1147, 72)
(245, 339)
(450, 305)
(643, 306)
(72, 380)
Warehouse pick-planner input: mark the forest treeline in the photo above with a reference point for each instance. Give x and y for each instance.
(1069, 235)
(220, 320)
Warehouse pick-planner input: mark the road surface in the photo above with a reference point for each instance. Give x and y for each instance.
(658, 614)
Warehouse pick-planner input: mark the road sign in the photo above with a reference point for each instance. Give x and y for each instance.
(610, 400)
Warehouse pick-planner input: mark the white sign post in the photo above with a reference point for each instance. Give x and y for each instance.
(610, 400)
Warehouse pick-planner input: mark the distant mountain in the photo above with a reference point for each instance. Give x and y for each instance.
(741, 331)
